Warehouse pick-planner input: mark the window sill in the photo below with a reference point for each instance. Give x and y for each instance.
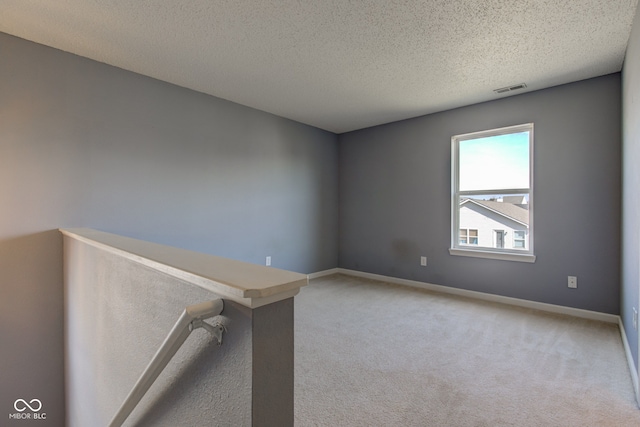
(504, 256)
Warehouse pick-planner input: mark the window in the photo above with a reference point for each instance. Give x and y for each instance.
(468, 237)
(519, 239)
(492, 195)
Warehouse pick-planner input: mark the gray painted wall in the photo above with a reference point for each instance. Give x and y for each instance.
(88, 145)
(395, 197)
(631, 187)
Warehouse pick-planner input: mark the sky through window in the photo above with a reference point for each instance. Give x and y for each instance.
(495, 162)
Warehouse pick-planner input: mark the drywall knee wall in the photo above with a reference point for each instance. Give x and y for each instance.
(117, 315)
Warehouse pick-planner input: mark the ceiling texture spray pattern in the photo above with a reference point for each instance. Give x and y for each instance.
(336, 64)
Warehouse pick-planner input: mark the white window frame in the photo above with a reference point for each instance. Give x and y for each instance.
(468, 237)
(523, 240)
(508, 254)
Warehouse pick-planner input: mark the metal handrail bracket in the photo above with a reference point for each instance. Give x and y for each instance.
(191, 318)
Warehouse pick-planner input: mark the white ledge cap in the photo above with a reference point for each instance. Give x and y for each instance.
(249, 284)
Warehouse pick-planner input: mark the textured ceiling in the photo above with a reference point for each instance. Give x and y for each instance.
(336, 64)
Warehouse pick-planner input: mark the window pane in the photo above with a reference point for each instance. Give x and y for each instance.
(495, 221)
(494, 162)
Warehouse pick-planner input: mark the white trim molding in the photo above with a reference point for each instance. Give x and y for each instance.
(323, 273)
(504, 256)
(630, 361)
(552, 308)
(248, 284)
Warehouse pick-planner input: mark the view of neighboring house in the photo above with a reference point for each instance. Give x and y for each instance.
(497, 223)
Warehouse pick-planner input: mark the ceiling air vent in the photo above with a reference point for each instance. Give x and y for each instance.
(510, 88)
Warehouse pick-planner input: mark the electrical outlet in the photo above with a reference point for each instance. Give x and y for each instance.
(268, 261)
(572, 282)
(423, 261)
(635, 318)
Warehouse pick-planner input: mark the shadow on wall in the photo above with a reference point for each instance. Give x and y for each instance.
(206, 356)
(32, 323)
(406, 253)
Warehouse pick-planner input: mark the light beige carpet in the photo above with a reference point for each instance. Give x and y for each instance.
(373, 354)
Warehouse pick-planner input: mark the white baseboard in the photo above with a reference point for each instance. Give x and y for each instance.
(576, 312)
(323, 273)
(632, 365)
